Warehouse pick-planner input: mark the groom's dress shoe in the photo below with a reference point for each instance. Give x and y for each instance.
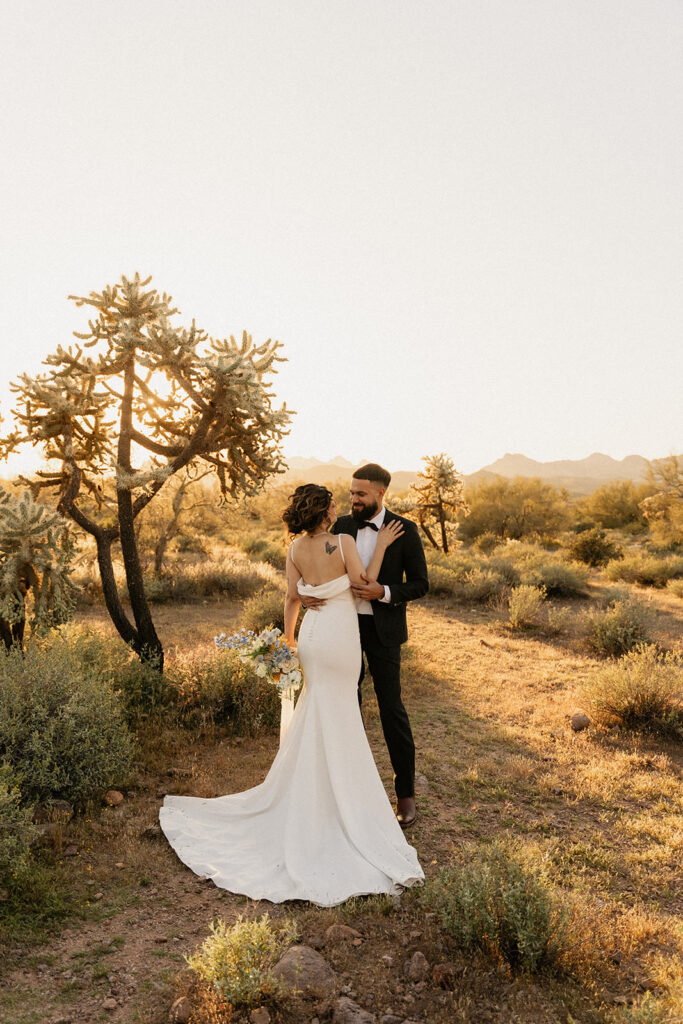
(406, 811)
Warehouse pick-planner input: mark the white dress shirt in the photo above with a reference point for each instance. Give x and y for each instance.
(366, 542)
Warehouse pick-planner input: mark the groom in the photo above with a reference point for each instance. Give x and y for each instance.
(381, 607)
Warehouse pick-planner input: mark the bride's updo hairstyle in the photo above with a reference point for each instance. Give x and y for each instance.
(307, 508)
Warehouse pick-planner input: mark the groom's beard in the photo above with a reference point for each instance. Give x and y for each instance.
(362, 515)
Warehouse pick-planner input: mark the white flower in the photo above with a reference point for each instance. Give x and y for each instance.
(261, 669)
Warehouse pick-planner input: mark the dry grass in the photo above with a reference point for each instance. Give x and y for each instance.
(597, 813)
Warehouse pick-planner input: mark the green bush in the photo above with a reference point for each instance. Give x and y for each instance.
(491, 902)
(642, 691)
(234, 577)
(237, 960)
(466, 577)
(592, 547)
(617, 629)
(557, 579)
(264, 609)
(16, 826)
(221, 690)
(61, 724)
(675, 587)
(525, 605)
(487, 542)
(647, 570)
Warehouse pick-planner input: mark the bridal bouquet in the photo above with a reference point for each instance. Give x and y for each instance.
(268, 652)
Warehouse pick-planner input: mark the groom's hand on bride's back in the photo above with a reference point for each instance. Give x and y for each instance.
(312, 603)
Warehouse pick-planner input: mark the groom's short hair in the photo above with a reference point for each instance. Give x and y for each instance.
(374, 473)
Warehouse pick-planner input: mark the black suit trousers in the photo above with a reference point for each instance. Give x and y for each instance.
(384, 664)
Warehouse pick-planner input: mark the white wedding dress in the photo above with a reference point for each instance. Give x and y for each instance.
(320, 827)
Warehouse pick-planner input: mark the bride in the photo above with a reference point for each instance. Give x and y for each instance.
(320, 827)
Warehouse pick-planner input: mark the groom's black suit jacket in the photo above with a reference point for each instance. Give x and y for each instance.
(403, 570)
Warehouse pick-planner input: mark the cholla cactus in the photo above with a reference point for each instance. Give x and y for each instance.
(139, 388)
(35, 556)
(437, 501)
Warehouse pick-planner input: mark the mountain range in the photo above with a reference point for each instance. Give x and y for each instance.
(579, 476)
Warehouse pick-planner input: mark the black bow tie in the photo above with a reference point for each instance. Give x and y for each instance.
(368, 526)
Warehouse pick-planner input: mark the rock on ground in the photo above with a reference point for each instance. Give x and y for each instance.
(348, 1012)
(579, 721)
(181, 1011)
(417, 968)
(304, 970)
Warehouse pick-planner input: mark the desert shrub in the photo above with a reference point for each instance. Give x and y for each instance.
(647, 570)
(442, 582)
(264, 609)
(237, 960)
(61, 724)
(641, 691)
(558, 620)
(487, 542)
(675, 587)
(234, 577)
(492, 903)
(523, 507)
(466, 577)
(145, 692)
(16, 826)
(482, 584)
(267, 548)
(557, 579)
(525, 605)
(220, 690)
(616, 505)
(618, 628)
(593, 548)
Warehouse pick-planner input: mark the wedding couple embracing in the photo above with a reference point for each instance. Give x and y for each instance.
(321, 827)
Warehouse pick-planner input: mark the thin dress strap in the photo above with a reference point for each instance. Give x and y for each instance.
(341, 549)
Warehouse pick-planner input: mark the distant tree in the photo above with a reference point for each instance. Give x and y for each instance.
(523, 507)
(436, 501)
(616, 505)
(664, 509)
(184, 504)
(35, 558)
(140, 385)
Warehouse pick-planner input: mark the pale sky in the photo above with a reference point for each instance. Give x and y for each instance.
(464, 220)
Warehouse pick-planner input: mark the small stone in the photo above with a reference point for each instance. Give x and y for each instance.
(71, 851)
(304, 970)
(341, 933)
(98, 895)
(109, 1003)
(357, 942)
(445, 975)
(259, 1015)
(348, 1012)
(181, 1011)
(579, 721)
(119, 864)
(417, 968)
(421, 784)
(160, 939)
(113, 797)
(387, 960)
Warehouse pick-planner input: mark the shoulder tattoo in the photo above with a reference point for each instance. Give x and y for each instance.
(330, 548)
